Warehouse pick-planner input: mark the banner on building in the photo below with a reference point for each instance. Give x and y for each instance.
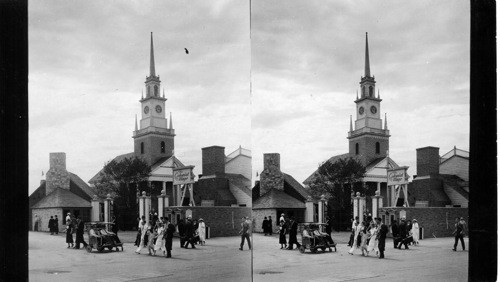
(183, 175)
(397, 176)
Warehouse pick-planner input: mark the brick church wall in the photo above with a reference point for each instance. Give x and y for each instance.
(223, 221)
(437, 222)
(271, 177)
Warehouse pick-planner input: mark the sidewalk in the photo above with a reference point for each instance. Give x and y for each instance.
(432, 260)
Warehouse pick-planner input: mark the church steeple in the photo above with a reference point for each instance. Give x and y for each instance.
(367, 58)
(152, 59)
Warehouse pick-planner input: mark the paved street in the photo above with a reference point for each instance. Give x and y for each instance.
(432, 260)
(218, 260)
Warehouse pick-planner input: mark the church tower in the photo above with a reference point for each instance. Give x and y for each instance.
(368, 140)
(154, 138)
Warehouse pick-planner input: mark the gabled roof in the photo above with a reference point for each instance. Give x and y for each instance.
(275, 199)
(81, 184)
(240, 181)
(296, 185)
(239, 152)
(60, 198)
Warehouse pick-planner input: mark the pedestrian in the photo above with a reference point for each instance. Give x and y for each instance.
(356, 242)
(459, 233)
(355, 222)
(35, 223)
(245, 232)
(160, 240)
(168, 235)
(395, 233)
(202, 231)
(69, 234)
(365, 236)
(56, 224)
(151, 240)
(189, 233)
(264, 225)
(80, 228)
(114, 228)
(328, 226)
(382, 233)
(68, 217)
(270, 226)
(138, 236)
(51, 225)
(182, 232)
(373, 244)
(293, 234)
(403, 233)
(282, 238)
(143, 229)
(415, 231)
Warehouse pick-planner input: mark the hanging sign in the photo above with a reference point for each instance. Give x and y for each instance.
(397, 176)
(183, 175)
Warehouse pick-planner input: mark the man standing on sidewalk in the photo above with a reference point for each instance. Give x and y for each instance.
(382, 233)
(245, 232)
(459, 233)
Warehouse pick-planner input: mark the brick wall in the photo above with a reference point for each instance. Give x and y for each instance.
(437, 221)
(223, 221)
(420, 190)
(213, 160)
(427, 161)
(367, 145)
(271, 177)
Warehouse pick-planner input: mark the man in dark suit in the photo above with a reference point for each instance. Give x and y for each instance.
(51, 225)
(189, 229)
(292, 239)
(382, 233)
(169, 235)
(270, 226)
(403, 233)
(56, 224)
(182, 233)
(395, 233)
(264, 225)
(80, 228)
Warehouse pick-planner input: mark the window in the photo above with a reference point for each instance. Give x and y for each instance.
(357, 149)
(162, 146)
(377, 148)
(142, 147)
(156, 90)
(371, 91)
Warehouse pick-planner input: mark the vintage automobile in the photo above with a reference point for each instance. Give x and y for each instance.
(313, 239)
(100, 237)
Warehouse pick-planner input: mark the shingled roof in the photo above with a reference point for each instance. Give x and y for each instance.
(240, 181)
(275, 199)
(60, 198)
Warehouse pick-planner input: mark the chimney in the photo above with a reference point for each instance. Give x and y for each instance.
(57, 176)
(271, 177)
(427, 161)
(213, 160)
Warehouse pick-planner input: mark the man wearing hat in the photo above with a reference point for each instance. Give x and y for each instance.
(459, 233)
(189, 231)
(168, 235)
(403, 233)
(245, 232)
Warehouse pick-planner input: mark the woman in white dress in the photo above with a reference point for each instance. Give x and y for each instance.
(373, 244)
(160, 241)
(201, 231)
(143, 227)
(414, 232)
(357, 230)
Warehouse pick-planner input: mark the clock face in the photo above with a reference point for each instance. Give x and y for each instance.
(146, 109)
(158, 109)
(373, 109)
(361, 110)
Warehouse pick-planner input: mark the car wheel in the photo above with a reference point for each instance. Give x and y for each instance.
(323, 249)
(110, 248)
(100, 249)
(89, 248)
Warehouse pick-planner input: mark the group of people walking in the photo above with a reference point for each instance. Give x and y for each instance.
(288, 226)
(74, 225)
(368, 236)
(158, 234)
(406, 232)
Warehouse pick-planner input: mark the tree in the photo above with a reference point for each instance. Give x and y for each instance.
(121, 179)
(337, 181)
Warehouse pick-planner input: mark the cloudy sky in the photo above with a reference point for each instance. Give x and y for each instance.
(307, 60)
(88, 61)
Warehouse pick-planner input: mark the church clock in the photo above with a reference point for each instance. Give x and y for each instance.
(373, 109)
(158, 109)
(361, 110)
(146, 109)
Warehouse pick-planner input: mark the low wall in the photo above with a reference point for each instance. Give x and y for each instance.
(223, 221)
(436, 221)
(44, 217)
